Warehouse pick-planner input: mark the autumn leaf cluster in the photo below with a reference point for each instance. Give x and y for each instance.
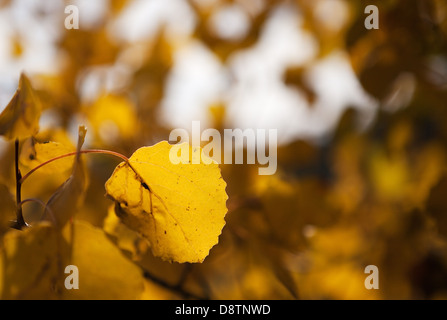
(179, 209)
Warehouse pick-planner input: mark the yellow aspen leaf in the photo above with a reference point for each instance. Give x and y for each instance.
(179, 208)
(64, 202)
(104, 271)
(20, 119)
(34, 154)
(30, 263)
(55, 134)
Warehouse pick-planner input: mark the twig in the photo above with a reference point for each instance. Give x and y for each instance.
(184, 275)
(113, 153)
(43, 205)
(20, 223)
(185, 294)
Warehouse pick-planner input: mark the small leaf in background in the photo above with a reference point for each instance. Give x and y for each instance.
(20, 119)
(48, 143)
(30, 263)
(34, 154)
(7, 209)
(113, 118)
(179, 208)
(104, 271)
(125, 238)
(65, 201)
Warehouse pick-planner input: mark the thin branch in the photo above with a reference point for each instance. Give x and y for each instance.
(20, 223)
(185, 294)
(33, 200)
(43, 205)
(98, 151)
(187, 269)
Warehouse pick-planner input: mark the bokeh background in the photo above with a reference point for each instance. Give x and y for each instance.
(360, 115)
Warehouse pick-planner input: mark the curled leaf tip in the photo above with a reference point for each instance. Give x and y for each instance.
(82, 132)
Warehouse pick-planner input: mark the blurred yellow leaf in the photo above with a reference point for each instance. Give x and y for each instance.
(389, 175)
(30, 263)
(126, 239)
(179, 208)
(7, 210)
(46, 144)
(104, 271)
(64, 202)
(113, 117)
(20, 119)
(34, 154)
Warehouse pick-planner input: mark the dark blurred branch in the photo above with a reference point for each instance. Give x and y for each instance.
(177, 288)
(20, 222)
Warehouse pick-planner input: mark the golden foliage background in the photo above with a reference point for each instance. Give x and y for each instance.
(360, 195)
